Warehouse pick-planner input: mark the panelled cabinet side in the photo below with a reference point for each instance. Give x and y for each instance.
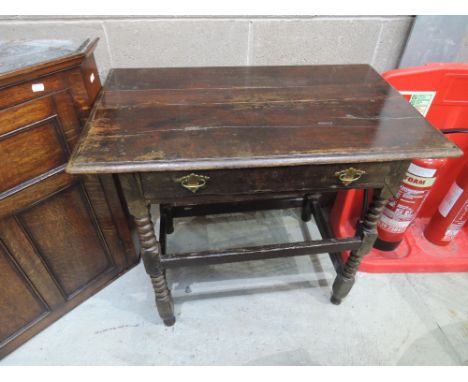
(62, 237)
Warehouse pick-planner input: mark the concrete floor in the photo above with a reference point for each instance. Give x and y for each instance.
(274, 312)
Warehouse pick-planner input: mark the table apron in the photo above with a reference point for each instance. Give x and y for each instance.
(166, 187)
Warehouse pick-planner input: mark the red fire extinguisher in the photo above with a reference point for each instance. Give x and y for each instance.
(452, 214)
(401, 210)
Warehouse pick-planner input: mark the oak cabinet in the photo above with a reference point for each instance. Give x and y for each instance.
(62, 237)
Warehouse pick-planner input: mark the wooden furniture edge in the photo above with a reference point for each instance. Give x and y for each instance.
(44, 68)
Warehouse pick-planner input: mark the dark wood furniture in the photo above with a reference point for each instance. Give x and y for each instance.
(62, 237)
(186, 138)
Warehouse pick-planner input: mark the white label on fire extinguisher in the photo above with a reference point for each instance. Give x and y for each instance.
(452, 231)
(450, 199)
(421, 171)
(392, 225)
(457, 223)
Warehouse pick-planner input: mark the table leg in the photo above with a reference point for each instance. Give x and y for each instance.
(169, 219)
(149, 245)
(151, 259)
(345, 279)
(306, 210)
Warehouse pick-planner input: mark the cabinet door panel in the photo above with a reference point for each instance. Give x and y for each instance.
(20, 199)
(66, 234)
(31, 264)
(30, 153)
(20, 306)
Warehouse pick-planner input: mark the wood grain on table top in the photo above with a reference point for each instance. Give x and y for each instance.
(167, 119)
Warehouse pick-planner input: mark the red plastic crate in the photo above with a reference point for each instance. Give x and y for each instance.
(440, 92)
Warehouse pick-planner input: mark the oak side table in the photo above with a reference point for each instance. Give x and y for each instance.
(191, 138)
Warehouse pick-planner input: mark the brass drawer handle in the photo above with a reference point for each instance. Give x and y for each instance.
(193, 182)
(349, 175)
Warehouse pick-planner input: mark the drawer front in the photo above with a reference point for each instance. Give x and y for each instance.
(167, 186)
(16, 94)
(30, 153)
(35, 141)
(18, 117)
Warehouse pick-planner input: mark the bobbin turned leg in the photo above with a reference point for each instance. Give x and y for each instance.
(151, 256)
(149, 247)
(345, 279)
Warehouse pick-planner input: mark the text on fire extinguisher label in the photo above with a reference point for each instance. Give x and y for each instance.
(418, 181)
(392, 225)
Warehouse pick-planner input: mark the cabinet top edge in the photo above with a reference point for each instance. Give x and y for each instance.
(22, 59)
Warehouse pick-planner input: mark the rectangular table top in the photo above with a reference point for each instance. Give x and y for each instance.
(166, 119)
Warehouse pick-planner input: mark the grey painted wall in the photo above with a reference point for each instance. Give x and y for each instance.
(220, 41)
(436, 39)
